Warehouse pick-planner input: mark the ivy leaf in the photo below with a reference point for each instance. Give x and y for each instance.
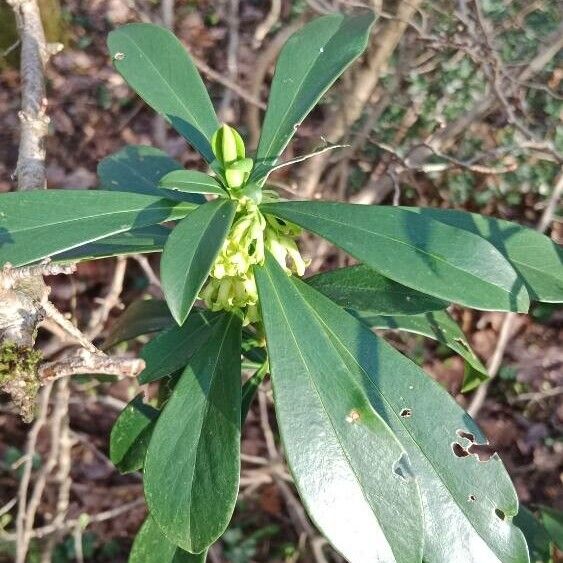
(537, 260)
(349, 469)
(419, 252)
(138, 168)
(193, 460)
(136, 241)
(156, 65)
(364, 289)
(180, 182)
(41, 223)
(190, 252)
(141, 317)
(465, 517)
(438, 326)
(171, 350)
(130, 435)
(309, 63)
(152, 546)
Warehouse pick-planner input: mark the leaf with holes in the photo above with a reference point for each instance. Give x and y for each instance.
(465, 518)
(436, 259)
(193, 461)
(351, 472)
(364, 289)
(310, 61)
(190, 252)
(156, 65)
(41, 223)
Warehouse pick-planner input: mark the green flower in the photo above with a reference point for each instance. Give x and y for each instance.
(231, 285)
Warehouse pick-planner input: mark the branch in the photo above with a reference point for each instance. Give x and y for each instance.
(84, 361)
(33, 118)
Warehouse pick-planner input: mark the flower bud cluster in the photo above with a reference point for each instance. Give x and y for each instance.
(231, 283)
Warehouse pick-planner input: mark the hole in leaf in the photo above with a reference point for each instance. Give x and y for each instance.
(500, 513)
(483, 452)
(472, 498)
(466, 435)
(405, 413)
(459, 450)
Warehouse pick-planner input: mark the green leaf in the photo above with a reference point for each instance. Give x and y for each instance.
(172, 349)
(537, 538)
(364, 289)
(136, 241)
(537, 260)
(190, 252)
(180, 182)
(141, 317)
(553, 521)
(250, 388)
(138, 168)
(468, 500)
(421, 253)
(193, 461)
(156, 65)
(130, 435)
(349, 469)
(152, 546)
(309, 63)
(41, 223)
(438, 326)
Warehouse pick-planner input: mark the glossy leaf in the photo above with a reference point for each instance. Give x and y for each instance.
(438, 326)
(190, 252)
(468, 501)
(41, 223)
(152, 546)
(136, 241)
(537, 538)
(537, 260)
(193, 461)
(181, 182)
(141, 317)
(309, 63)
(416, 251)
(364, 289)
(138, 168)
(349, 469)
(156, 65)
(130, 435)
(172, 349)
